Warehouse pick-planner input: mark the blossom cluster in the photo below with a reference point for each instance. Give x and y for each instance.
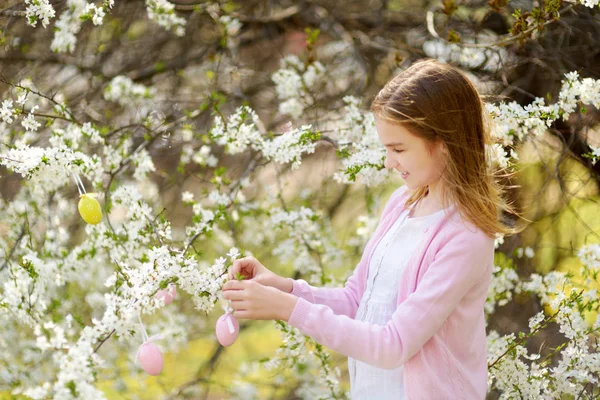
(295, 83)
(71, 19)
(123, 91)
(241, 133)
(513, 122)
(50, 168)
(305, 240)
(69, 23)
(232, 25)
(363, 155)
(39, 10)
(587, 3)
(489, 58)
(298, 358)
(202, 157)
(516, 372)
(163, 13)
(132, 287)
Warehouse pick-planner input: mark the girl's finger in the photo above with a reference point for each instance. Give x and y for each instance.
(242, 314)
(235, 267)
(231, 272)
(239, 305)
(233, 284)
(234, 294)
(243, 266)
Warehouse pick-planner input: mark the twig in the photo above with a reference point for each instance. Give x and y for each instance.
(251, 167)
(4, 80)
(505, 39)
(155, 230)
(523, 340)
(12, 250)
(104, 340)
(10, 159)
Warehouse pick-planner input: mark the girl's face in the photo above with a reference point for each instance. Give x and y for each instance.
(419, 162)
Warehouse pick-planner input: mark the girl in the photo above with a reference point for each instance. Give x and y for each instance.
(411, 317)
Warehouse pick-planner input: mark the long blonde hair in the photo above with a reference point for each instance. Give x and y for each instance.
(438, 103)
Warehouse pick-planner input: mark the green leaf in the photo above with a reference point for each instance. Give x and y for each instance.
(449, 7)
(72, 388)
(239, 276)
(313, 34)
(453, 37)
(220, 171)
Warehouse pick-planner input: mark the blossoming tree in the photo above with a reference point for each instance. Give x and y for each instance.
(206, 131)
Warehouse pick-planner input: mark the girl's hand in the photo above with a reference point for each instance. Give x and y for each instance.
(251, 268)
(251, 300)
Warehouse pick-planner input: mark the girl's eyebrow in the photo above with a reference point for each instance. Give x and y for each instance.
(394, 144)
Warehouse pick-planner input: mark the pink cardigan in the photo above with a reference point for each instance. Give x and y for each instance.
(438, 330)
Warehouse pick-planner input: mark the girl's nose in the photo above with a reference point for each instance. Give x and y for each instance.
(388, 163)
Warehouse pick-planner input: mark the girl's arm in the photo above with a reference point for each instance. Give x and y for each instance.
(464, 261)
(342, 301)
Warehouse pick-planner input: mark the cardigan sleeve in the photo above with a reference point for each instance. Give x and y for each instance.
(342, 301)
(456, 268)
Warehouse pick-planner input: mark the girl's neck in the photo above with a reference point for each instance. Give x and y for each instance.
(435, 193)
(431, 203)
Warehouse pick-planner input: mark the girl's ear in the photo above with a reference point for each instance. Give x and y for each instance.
(443, 152)
(444, 149)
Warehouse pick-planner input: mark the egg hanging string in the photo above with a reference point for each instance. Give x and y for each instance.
(145, 336)
(144, 333)
(79, 184)
(229, 313)
(149, 355)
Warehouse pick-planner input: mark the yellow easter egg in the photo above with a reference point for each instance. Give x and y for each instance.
(89, 208)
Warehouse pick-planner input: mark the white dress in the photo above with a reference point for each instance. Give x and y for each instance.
(378, 303)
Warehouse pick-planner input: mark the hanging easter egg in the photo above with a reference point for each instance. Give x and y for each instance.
(151, 358)
(227, 329)
(89, 208)
(167, 294)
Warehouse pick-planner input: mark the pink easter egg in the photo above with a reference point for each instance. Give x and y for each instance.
(167, 294)
(151, 359)
(227, 332)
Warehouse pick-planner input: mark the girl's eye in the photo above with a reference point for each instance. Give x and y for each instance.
(398, 151)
